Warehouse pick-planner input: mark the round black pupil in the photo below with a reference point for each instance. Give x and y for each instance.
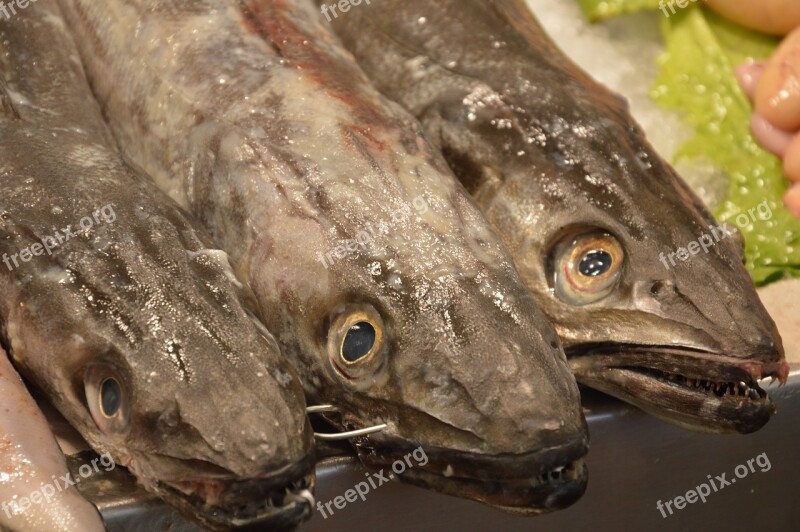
(358, 342)
(595, 263)
(110, 397)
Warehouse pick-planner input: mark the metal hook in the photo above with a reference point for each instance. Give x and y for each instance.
(302, 496)
(320, 408)
(341, 435)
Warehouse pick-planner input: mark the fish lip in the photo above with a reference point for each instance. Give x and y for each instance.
(663, 381)
(531, 483)
(285, 503)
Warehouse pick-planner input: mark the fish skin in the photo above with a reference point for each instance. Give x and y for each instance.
(214, 409)
(29, 459)
(258, 121)
(545, 149)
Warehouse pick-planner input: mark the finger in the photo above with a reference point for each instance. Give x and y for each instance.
(777, 17)
(777, 96)
(792, 200)
(748, 75)
(791, 161)
(770, 137)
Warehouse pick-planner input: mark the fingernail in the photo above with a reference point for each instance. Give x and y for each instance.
(748, 75)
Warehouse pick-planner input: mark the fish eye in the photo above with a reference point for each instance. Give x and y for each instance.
(587, 267)
(356, 340)
(595, 263)
(106, 398)
(110, 397)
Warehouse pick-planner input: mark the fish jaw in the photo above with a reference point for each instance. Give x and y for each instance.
(278, 502)
(705, 392)
(534, 483)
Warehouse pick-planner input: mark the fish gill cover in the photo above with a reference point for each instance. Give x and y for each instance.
(701, 51)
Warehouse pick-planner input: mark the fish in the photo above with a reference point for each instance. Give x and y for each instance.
(381, 280)
(592, 215)
(126, 315)
(30, 460)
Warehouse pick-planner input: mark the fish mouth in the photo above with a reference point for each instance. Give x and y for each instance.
(698, 390)
(280, 502)
(528, 484)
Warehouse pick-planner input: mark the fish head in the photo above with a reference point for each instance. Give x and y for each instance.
(647, 291)
(454, 358)
(149, 351)
(227, 431)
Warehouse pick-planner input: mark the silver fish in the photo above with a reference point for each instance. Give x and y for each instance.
(590, 212)
(124, 312)
(381, 279)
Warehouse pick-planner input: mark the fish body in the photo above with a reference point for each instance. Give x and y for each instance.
(31, 460)
(382, 281)
(123, 311)
(594, 218)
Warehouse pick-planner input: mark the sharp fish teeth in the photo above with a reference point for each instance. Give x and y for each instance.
(739, 389)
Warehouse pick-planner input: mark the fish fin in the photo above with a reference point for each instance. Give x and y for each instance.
(7, 109)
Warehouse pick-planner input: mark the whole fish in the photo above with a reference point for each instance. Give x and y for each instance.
(126, 315)
(592, 215)
(381, 279)
(31, 462)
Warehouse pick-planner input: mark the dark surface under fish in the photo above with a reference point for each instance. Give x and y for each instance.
(588, 209)
(131, 321)
(251, 115)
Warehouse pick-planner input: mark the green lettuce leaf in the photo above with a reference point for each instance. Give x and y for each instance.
(599, 9)
(697, 79)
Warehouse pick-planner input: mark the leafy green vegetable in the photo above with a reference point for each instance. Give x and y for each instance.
(599, 9)
(697, 78)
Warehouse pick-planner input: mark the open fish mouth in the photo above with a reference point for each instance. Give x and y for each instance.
(698, 390)
(268, 504)
(530, 484)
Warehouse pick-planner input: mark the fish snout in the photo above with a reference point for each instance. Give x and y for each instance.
(509, 403)
(720, 315)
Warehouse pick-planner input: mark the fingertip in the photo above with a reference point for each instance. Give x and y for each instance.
(792, 200)
(777, 91)
(791, 160)
(770, 137)
(748, 75)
